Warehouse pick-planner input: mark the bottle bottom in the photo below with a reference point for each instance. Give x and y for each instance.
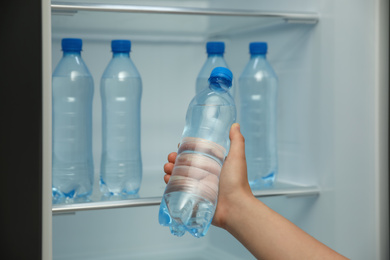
(121, 189)
(183, 212)
(71, 182)
(120, 178)
(262, 182)
(72, 196)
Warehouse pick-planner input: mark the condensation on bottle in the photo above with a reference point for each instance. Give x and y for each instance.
(258, 88)
(190, 198)
(72, 161)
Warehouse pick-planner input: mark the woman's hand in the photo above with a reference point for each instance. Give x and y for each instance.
(233, 181)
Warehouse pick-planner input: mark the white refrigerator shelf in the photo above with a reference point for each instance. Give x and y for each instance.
(279, 189)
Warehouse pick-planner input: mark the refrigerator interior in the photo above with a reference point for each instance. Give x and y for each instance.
(328, 121)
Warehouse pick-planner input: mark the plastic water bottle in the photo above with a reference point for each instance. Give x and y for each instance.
(121, 90)
(72, 126)
(190, 198)
(258, 89)
(215, 51)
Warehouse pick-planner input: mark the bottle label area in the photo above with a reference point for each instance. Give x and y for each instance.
(197, 168)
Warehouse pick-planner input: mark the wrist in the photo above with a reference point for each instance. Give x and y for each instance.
(239, 208)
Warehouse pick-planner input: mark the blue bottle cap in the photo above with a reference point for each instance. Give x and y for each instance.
(71, 44)
(120, 45)
(258, 47)
(221, 72)
(215, 47)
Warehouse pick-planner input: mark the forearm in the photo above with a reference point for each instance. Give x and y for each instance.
(268, 235)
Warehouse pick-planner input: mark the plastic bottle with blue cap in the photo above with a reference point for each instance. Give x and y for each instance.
(121, 91)
(215, 58)
(72, 92)
(258, 89)
(190, 197)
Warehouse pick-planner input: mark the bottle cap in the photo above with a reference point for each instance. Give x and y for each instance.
(71, 44)
(120, 45)
(215, 47)
(221, 72)
(258, 47)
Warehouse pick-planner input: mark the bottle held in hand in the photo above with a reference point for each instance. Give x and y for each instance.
(190, 198)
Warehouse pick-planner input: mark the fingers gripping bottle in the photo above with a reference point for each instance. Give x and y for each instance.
(72, 163)
(121, 90)
(190, 198)
(258, 100)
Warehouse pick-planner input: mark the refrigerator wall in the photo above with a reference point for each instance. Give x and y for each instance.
(332, 120)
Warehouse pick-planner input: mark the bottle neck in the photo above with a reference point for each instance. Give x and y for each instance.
(71, 53)
(220, 84)
(256, 55)
(120, 54)
(211, 55)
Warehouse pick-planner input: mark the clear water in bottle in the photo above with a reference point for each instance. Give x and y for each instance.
(215, 58)
(190, 197)
(72, 162)
(121, 90)
(258, 88)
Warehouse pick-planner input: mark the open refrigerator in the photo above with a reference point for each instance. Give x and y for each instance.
(331, 58)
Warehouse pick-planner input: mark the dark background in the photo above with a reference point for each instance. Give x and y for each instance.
(21, 129)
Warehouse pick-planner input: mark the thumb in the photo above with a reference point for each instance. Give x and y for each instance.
(237, 142)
